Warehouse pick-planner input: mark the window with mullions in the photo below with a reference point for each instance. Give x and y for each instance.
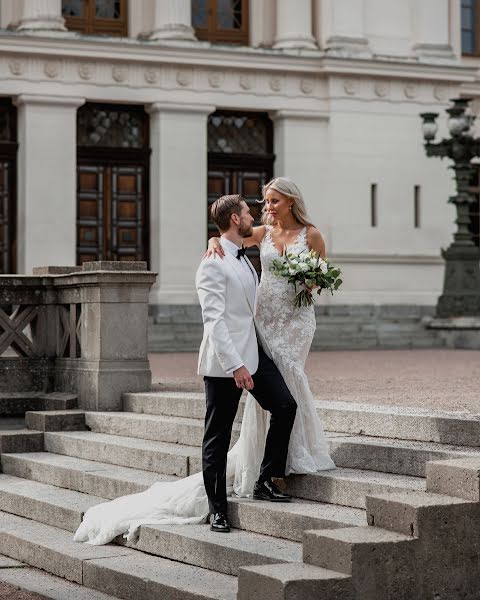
(221, 20)
(470, 29)
(103, 17)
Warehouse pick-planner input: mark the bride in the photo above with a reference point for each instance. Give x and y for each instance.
(288, 333)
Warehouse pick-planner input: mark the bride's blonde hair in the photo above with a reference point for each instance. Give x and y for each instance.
(286, 187)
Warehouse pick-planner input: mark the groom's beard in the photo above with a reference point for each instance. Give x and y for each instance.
(245, 231)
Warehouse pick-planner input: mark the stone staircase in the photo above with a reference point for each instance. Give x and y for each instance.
(360, 532)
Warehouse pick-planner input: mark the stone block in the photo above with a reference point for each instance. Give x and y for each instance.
(153, 578)
(199, 546)
(382, 563)
(21, 440)
(59, 401)
(416, 514)
(293, 582)
(459, 478)
(48, 587)
(127, 452)
(56, 420)
(114, 265)
(49, 548)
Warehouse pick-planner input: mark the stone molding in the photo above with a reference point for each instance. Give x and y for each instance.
(257, 72)
(32, 99)
(170, 107)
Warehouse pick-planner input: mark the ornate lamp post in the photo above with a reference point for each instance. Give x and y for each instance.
(461, 288)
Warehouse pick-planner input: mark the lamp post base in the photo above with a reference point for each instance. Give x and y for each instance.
(461, 288)
(458, 332)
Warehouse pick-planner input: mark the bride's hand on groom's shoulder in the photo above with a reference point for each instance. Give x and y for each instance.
(214, 248)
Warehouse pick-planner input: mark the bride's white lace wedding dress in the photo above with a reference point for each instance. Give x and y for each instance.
(288, 332)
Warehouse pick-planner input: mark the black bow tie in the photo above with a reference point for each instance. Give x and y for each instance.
(241, 252)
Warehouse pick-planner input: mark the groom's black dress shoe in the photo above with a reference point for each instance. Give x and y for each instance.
(267, 490)
(219, 523)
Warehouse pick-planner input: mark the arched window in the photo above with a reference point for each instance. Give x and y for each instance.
(221, 20)
(102, 17)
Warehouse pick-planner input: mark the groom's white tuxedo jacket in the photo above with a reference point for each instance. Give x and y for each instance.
(226, 290)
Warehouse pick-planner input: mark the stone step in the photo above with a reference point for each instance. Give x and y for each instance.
(424, 425)
(290, 520)
(392, 456)
(193, 544)
(294, 581)
(21, 440)
(115, 570)
(18, 403)
(101, 479)
(44, 503)
(46, 586)
(55, 420)
(174, 430)
(147, 455)
(349, 487)
(173, 404)
(197, 545)
(415, 424)
(284, 521)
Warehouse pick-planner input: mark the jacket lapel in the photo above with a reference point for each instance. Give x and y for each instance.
(248, 288)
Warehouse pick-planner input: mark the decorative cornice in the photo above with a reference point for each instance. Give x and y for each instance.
(266, 79)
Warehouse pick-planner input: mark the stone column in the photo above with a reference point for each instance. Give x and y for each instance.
(294, 25)
(107, 307)
(172, 21)
(340, 27)
(431, 24)
(178, 208)
(41, 15)
(47, 176)
(301, 147)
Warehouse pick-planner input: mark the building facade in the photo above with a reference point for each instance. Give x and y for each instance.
(120, 120)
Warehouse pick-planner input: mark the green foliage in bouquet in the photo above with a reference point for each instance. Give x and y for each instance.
(309, 271)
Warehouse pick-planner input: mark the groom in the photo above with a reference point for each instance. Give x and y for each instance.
(232, 360)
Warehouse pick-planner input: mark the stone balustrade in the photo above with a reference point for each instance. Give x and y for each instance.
(77, 329)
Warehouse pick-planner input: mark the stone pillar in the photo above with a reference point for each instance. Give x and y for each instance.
(41, 15)
(294, 25)
(106, 306)
(340, 27)
(431, 23)
(172, 21)
(178, 208)
(301, 147)
(47, 176)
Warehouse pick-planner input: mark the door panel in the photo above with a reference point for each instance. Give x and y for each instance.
(111, 221)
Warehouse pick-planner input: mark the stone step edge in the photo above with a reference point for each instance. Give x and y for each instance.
(20, 541)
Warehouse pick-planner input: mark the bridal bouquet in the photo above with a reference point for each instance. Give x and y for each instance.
(308, 270)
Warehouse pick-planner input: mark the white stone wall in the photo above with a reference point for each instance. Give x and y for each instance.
(344, 82)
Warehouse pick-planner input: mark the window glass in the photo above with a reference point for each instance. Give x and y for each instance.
(108, 9)
(468, 27)
(229, 14)
(72, 8)
(200, 13)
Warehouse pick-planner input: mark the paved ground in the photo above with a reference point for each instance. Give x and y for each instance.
(9, 592)
(446, 379)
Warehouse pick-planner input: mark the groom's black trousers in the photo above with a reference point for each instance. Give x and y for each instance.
(223, 397)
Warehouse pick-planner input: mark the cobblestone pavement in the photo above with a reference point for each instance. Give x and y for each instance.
(443, 379)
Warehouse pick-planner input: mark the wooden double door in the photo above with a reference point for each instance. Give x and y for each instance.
(112, 209)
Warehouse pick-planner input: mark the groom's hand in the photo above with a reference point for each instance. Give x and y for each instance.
(243, 379)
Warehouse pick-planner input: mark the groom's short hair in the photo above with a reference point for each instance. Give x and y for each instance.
(223, 208)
